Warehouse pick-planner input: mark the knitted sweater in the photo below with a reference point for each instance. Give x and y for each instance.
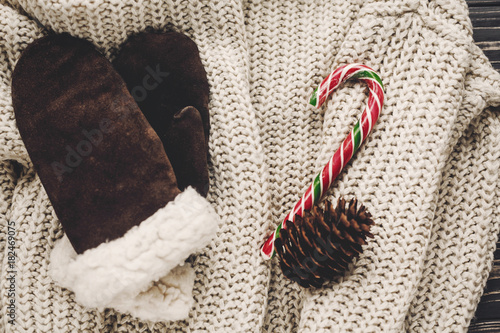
(428, 173)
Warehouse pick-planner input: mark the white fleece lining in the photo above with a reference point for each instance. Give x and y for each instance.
(135, 273)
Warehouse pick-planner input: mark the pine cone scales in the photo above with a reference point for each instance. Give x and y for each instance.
(321, 244)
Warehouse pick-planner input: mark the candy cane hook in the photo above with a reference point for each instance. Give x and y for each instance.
(349, 146)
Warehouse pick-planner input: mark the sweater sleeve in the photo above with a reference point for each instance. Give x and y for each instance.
(465, 227)
(17, 32)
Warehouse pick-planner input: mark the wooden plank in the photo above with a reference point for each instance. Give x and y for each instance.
(490, 326)
(485, 18)
(492, 51)
(478, 3)
(486, 34)
(488, 16)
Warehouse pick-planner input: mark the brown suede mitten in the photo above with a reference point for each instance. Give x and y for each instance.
(110, 182)
(164, 74)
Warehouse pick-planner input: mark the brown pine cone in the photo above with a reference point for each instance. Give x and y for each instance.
(320, 245)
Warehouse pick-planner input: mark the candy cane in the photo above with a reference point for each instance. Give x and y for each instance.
(360, 131)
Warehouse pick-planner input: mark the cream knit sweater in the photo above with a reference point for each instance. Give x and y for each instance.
(429, 172)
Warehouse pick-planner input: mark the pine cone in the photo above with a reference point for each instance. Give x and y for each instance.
(320, 245)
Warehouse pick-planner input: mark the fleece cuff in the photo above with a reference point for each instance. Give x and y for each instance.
(143, 272)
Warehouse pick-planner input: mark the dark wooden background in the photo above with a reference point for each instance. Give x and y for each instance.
(485, 17)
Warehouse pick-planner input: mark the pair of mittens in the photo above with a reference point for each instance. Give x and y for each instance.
(120, 168)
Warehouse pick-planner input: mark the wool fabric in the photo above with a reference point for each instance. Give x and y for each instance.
(428, 172)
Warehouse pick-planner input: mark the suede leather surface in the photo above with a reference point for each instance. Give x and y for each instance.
(164, 74)
(186, 150)
(65, 93)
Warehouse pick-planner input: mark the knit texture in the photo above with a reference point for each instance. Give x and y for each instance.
(428, 173)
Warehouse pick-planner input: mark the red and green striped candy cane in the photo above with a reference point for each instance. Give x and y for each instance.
(360, 131)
